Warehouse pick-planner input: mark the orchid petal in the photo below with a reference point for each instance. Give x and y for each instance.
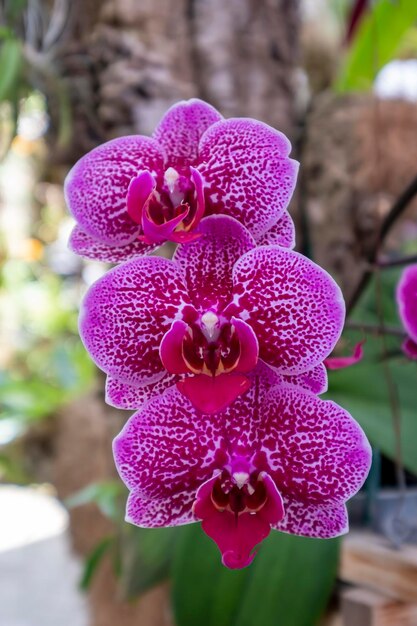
(96, 188)
(249, 347)
(139, 193)
(181, 128)
(407, 300)
(211, 394)
(295, 308)
(132, 397)
(166, 447)
(340, 362)
(312, 520)
(125, 314)
(170, 349)
(314, 450)
(314, 380)
(86, 246)
(172, 510)
(281, 234)
(207, 263)
(158, 233)
(409, 347)
(247, 172)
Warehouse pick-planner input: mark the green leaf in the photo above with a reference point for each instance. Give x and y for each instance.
(363, 389)
(288, 583)
(11, 62)
(146, 557)
(376, 42)
(94, 560)
(107, 495)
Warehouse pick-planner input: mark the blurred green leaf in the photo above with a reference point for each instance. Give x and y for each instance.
(94, 560)
(146, 557)
(288, 583)
(378, 39)
(107, 495)
(363, 389)
(11, 63)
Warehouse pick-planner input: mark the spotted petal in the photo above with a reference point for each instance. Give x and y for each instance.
(247, 171)
(311, 520)
(181, 128)
(166, 447)
(314, 450)
(281, 234)
(407, 300)
(90, 248)
(174, 510)
(314, 380)
(295, 308)
(125, 315)
(207, 263)
(96, 187)
(132, 397)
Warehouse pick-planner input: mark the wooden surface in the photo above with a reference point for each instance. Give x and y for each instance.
(363, 607)
(371, 561)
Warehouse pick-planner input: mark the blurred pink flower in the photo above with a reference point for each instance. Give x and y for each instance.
(131, 194)
(407, 308)
(203, 319)
(280, 458)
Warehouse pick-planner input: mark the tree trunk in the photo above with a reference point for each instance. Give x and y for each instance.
(126, 62)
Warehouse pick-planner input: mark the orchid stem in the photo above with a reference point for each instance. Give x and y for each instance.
(406, 260)
(392, 216)
(375, 329)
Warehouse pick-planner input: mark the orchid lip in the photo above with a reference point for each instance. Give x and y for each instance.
(168, 208)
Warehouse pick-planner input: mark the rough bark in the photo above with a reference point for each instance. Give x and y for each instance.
(137, 58)
(358, 156)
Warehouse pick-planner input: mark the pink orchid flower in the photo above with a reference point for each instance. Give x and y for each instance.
(131, 194)
(407, 308)
(281, 458)
(205, 318)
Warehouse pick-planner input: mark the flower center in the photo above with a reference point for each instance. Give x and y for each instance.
(239, 492)
(211, 345)
(168, 207)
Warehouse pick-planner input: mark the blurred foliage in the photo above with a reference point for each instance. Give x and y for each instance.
(143, 556)
(380, 34)
(146, 556)
(107, 495)
(289, 582)
(43, 364)
(363, 389)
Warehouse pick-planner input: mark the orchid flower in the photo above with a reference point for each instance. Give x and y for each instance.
(204, 319)
(279, 458)
(407, 308)
(131, 194)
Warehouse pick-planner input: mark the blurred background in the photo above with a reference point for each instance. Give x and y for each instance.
(339, 77)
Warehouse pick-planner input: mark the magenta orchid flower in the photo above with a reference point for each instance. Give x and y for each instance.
(407, 308)
(131, 194)
(280, 458)
(204, 319)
